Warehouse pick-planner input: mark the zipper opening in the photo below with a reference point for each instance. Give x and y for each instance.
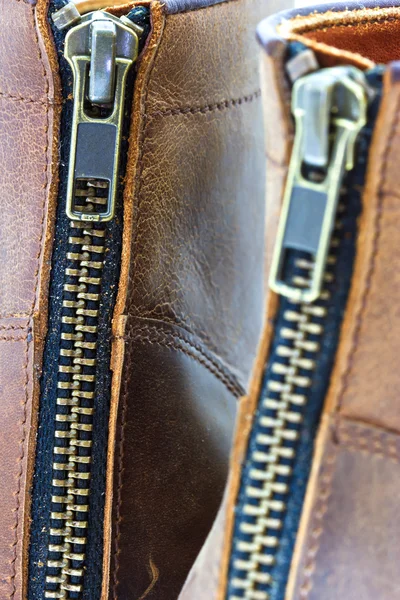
(306, 333)
(65, 558)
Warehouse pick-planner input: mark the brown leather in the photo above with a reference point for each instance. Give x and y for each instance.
(208, 577)
(348, 524)
(347, 545)
(28, 112)
(194, 297)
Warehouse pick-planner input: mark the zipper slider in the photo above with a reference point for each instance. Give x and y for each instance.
(330, 109)
(101, 49)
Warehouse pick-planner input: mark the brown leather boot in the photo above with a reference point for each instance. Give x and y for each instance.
(312, 507)
(131, 154)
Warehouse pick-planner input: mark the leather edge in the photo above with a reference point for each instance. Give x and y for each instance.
(276, 55)
(119, 318)
(40, 309)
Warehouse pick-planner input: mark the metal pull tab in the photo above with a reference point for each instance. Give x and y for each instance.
(102, 62)
(100, 49)
(330, 109)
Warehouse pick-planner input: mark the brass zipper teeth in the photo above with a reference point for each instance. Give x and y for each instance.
(269, 485)
(75, 406)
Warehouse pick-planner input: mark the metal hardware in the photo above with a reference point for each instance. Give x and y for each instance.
(67, 15)
(301, 65)
(330, 109)
(102, 62)
(100, 50)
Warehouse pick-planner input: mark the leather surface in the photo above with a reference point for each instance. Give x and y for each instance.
(27, 114)
(195, 282)
(347, 543)
(197, 249)
(362, 403)
(208, 577)
(173, 460)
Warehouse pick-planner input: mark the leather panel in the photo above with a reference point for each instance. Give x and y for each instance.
(198, 229)
(351, 528)
(175, 426)
(15, 412)
(28, 119)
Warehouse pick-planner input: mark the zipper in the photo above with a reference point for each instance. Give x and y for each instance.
(334, 111)
(100, 50)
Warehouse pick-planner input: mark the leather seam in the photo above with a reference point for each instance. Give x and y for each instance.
(372, 263)
(209, 6)
(19, 474)
(319, 513)
(351, 447)
(36, 278)
(149, 334)
(313, 29)
(216, 106)
(121, 455)
(121, 444)
(28, 100)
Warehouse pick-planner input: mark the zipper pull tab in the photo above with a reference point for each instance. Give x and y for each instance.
(100, 49)
(330, 109)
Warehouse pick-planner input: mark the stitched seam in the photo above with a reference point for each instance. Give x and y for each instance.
(312, 553)
(19, 474)
(371, 267)
(192, 350)
(28, 100)
(312, 29)
(11, 338)
(36, 277)
(319, 512)
(217, 106)
(121, 456)
(8, 327)
(209, 6)
(22, 315)
(121, 445)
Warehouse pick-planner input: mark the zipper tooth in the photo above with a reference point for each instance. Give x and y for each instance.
(268, 486)
(75, 408)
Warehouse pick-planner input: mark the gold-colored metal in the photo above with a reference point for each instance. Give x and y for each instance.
(100, 49)
(328, 100)
(75, 409)
(263, 487)
(86, 6)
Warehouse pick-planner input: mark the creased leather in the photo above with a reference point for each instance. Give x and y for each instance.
(195, 269)
(347, 543)
(28, 113)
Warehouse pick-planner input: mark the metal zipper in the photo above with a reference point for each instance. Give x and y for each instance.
(101, 50)
(330, 109)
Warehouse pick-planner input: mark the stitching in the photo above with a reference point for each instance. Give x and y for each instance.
(177, 342)
(311, 28)
(121, 456)
(319, 514)
(372, 263)
(28, 100)
(320, 510)
(193, 110)
(192, 10)
(121, 445)
(36, 277)
(10, 338)
(8, 327)
(19, 474)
